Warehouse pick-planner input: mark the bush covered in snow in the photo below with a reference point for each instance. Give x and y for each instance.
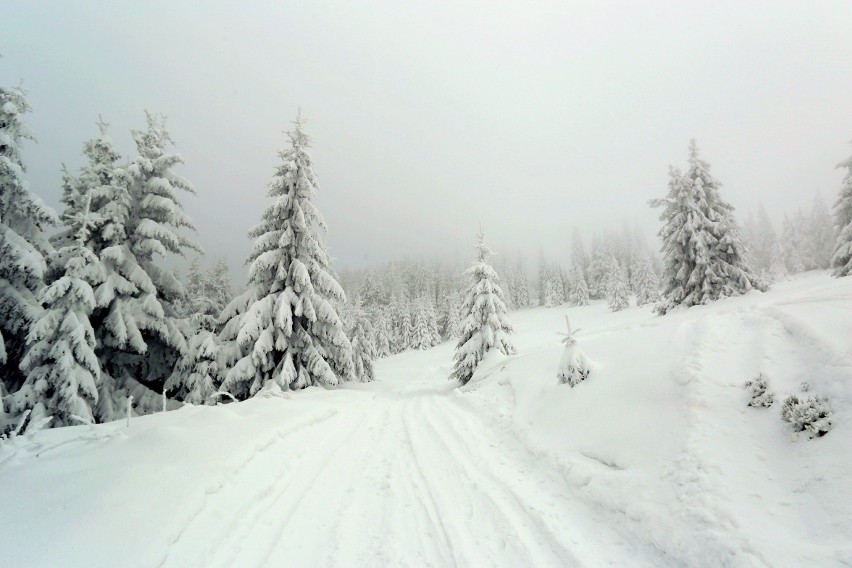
(760, 395)
(807, 413)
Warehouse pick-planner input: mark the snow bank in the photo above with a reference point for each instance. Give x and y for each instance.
(661, 436)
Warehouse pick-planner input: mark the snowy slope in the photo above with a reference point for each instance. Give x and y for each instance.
(654, 461)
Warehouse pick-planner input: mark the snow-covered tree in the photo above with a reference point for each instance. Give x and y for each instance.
(372, 293)
(821, 234)
(841, 260)
(792, 247)
(220, 281)
(485, 323)
(62, 369)
(141, 334)
(579, 258)
(543, 272)
(453, 319)
(645, 282)
(574, 367)
(23, 244)
(285, 325)
(400, 315)
(617, 290)
(519, 287)
(579, 294)
(554, 291)
(363, 348)
(199, 300)
(777, 266)
(196, 375)
(424, 325)
(702, 248)
(381, 333)
(761, 239)
(597, 272)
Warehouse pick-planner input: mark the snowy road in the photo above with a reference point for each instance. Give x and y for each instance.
(404, 475)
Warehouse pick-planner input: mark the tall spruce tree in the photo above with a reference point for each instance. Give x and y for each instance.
(23, 244)
(485, 323)
(142, 335)
(285, 326)
(702, 248)
(62, 370)
(118, 318)
(841, 260)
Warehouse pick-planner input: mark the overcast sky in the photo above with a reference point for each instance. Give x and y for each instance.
(533, 117)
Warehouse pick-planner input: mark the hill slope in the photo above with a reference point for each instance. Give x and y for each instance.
(655, 460)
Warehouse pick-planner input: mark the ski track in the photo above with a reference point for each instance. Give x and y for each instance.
(404, 477)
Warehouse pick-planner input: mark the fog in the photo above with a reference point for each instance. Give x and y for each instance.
(534, 118)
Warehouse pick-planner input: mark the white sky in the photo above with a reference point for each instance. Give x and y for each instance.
(533, 117)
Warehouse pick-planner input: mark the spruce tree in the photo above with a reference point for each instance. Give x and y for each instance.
(363, 348)
(822, 236)
(646, 283)
(579, 294)
(23, 244)
(141, 332)
(119, 317)
(596, 274)
(841, 260)
(381, 333)
(554, 291)
(520, 287)
(424, 333)
(702, 249)
(617, 290)
(220, 280)
(791, 245)
(405, 326)
(196, 375)
(288, 332)
(453, 323)
(62, 369)
(372, 293)
(485, 323)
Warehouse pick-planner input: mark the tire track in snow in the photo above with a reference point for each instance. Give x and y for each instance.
(545, 546)
(293, 482)
(490, 526)
(219, 497)
(539, 490)
(426, 493)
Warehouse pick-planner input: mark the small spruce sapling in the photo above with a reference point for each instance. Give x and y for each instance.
(574, 366)
(807, 413)
(760, 395)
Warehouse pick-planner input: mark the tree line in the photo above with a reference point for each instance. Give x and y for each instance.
(92, 317)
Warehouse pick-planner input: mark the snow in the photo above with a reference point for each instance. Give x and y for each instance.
(655, 460)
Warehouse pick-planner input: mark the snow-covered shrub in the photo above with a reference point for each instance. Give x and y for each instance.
(574, 366)
(808, 413)
(760, 395)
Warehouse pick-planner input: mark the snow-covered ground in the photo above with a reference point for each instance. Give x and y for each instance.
(654, 461)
